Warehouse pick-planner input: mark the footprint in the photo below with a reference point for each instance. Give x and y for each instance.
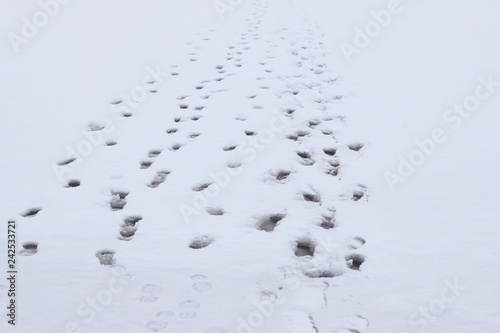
(73, 183)
(66, 161)
(306, 157)
(118, 200)
(31, 212)
(304, 247)
(359, 193)
(129, 228)
(94, 127)
(193, 135)
(328, 221)
(146, 164)
(330, 151)
(312, 197)
(200, 284)
(233, 165)
(216, 211)
(201, 242)
(176, 146)
(159, 178)
(334, 168)
(29, 249)
(111, 143)
(357, 146)
(132, 220)
(172, 130)
(250, 133)
(127, 232)
(201, 187)
(229, 148)
(289, 112)
(354, 261)
(106, 257)
(280, 175)
(150, 293)
(154, 153)
(269, 222)
(358, 242)
(313, 123)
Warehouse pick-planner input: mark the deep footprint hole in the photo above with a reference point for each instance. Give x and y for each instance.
(304, 247)
(269, 222)
(31, 212)
(201, 242)
(354, 261)
(73, 183)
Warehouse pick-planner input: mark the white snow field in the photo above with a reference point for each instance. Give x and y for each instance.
(250, 166)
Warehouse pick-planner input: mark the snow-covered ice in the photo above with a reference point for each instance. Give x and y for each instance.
(263, 166)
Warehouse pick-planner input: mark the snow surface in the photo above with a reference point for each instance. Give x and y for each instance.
(196, 225)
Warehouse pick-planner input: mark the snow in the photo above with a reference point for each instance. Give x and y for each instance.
(200, 225)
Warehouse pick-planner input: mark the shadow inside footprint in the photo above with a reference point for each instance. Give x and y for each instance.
(29, 249)
(73, 183)
(327, 221)
(159, 178)
(304, 247)
(201, 242)
(306, 157)
(229, 147)
(146, 164)
(66, 161)
(117, 203)
(106, 257)
(201, 187)
(172, 130)
(311, 197)
(330, 151)
(216, 211)
(31, 212)
(269, 222)
(354, 261)
(154, 153)
(127, 232)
